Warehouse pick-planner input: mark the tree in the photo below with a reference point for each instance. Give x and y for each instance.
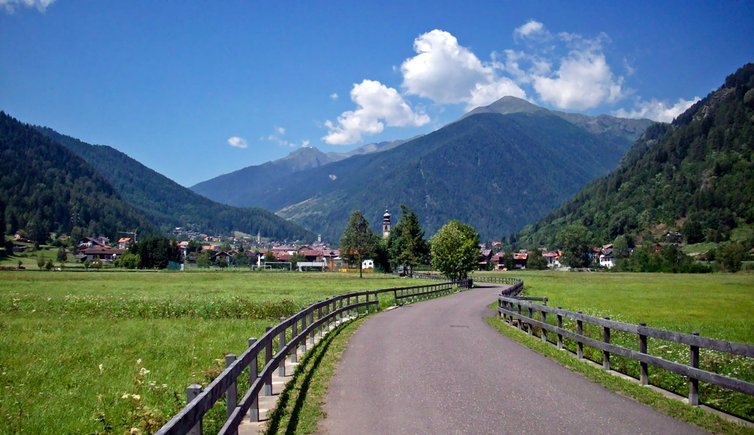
(128, 260)
(62, 255)
(156, 252)
(406, 244)
(40, 262)
(455, 250)
(730, 255)
(536, 260)
(202, 259)
(359, 242)
(574, 240)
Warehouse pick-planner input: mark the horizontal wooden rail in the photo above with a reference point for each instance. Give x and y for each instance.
(523, 310)
(290, 334)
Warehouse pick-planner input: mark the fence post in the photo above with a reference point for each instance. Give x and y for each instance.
(192, 391)
(253, 367)
(531, 316)
(579, 343)
(367, 303)
(543, 334)
(560, 326)
(311, 322)
(606, 354)
(281, 346)
(644, 376)
(520, 320)
(319, 319)
(267, 359)
(231, 394)
(303, 328)
(694, 383)
(294, 347)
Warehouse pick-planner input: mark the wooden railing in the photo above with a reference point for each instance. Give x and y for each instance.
(516, 284)
(529, 315)
(289, 337)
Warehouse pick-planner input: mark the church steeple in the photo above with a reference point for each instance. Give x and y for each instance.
(386, 224)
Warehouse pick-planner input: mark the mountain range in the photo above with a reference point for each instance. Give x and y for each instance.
(694, 176)
(499, 168)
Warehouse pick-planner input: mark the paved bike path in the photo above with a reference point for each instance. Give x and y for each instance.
(438, 367)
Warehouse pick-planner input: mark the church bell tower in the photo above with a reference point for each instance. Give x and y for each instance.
(386, 224)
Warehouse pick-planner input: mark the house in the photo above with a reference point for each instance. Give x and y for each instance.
(90, 242)
(553, 259)
(101, 253)
(222, 256)
(606, 257)
(520, 259)
(125, 242)
(485, 257)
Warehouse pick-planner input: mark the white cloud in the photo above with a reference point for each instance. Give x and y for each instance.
(237, 142)
(657, 110)
(277, 137)
(305, 143)
(11, 5)
(530, 29)
(446, 72)
(280, 130)
(334, 96)
(377, 106)
(583, 81)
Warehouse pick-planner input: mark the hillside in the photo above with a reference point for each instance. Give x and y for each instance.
(166, 204)
(695, 176)
(497, 172)
(46, 188)
(241, 188)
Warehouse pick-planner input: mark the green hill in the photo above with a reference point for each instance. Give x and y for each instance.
(167, 205)
(695, 176)
(46, 188)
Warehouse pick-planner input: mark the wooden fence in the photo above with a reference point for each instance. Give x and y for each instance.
(288, 337)
(516, 284)
(529, 315)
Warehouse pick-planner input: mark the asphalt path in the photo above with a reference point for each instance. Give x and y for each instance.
(437, 367)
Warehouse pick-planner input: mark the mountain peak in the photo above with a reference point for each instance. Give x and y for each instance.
(508, 105)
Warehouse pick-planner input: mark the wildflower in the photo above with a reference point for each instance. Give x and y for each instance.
(124, 396)
(138, 362)
(143, 371)
(101, 368)
(136, 397)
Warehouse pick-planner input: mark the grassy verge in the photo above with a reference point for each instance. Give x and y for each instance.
(674, 408)
(300, 407)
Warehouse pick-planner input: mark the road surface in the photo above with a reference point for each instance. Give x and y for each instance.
(437, 367)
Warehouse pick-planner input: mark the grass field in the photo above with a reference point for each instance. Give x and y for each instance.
(102, 352)
(715, 305)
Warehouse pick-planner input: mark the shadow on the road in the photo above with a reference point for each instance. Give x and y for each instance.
(308, 368)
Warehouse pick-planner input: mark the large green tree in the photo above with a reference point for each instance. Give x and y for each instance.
(574, 240)
(359, 242)
(406, 244)
(455, 249)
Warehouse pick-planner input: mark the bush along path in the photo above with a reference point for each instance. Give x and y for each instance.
(437, 367)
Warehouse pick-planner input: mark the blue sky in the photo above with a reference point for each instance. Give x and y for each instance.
(197, 89)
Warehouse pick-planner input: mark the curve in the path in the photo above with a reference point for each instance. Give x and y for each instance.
(438, 367)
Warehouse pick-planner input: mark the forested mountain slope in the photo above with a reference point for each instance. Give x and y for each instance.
(695, 176)
(46, 188)
(167, 204)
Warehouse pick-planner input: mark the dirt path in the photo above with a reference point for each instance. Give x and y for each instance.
(402, 374)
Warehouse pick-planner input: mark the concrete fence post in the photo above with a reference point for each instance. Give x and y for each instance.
(192, 391)
(606, 354)
(253, 369)
(644, 375)
(694, 383)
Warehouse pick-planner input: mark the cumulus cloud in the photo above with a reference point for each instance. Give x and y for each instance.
(10, 5)
(657, 110)
(530, 29)
(334, 96)
(446, 72)
(583, 81)
(377, 106)
(237, 142)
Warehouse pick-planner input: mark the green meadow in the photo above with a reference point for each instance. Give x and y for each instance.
(714, 305)
(104, 352)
